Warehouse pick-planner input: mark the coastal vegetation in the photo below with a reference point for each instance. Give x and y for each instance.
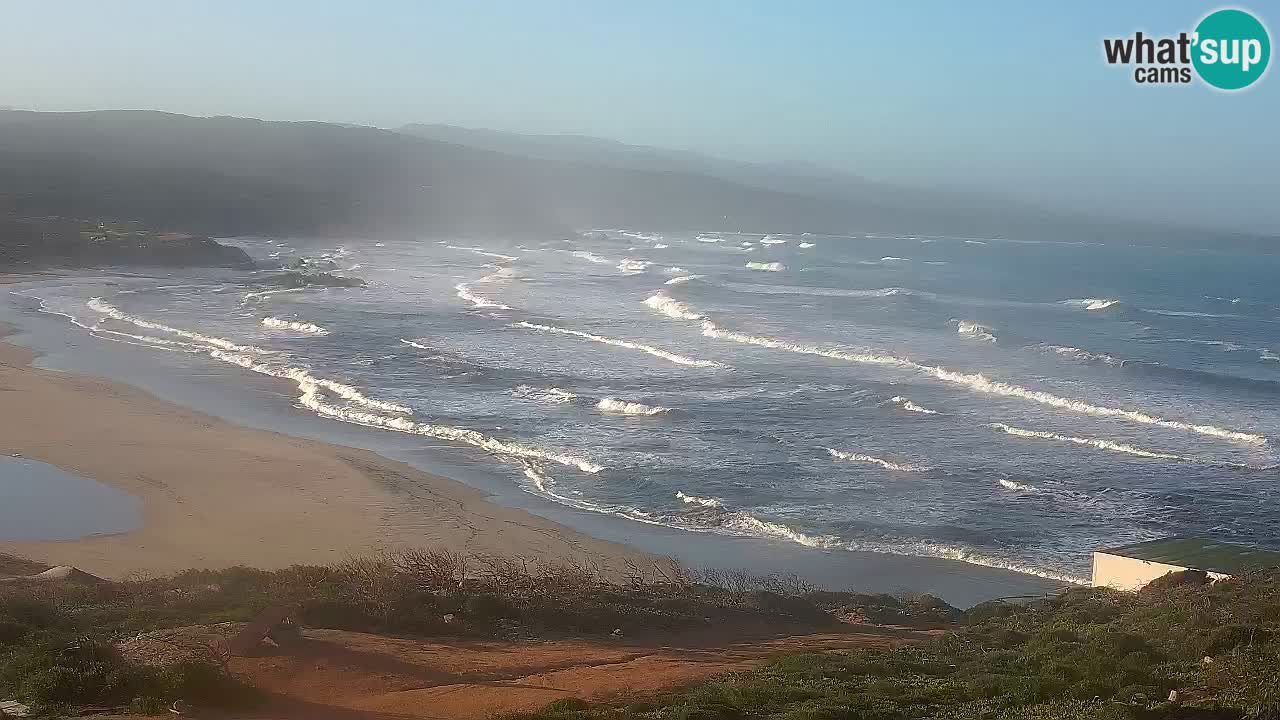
(1183, 648)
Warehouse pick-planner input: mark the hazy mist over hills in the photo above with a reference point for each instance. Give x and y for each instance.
(226, 175)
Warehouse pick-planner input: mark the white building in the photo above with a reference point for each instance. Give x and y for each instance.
(1133, 566)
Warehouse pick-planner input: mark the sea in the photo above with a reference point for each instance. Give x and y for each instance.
(1002, 402)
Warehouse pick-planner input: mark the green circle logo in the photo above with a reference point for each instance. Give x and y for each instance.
(1232, 49)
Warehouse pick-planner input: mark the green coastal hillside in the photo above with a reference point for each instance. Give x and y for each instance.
(1182, 648)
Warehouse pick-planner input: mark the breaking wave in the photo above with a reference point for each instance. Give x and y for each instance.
(980, 383)
(1011, 485)
(819, 291)
(550, 395)
(302, 327)
(485, 253)
(656, 352)
(99, 305)
(976, 331)
(1225, 345)
(477, 301)
(806, 245)
(681, 279)
(704, 238)
(695, 500)
(314, 390)
(871, 460)
(671, 307)
(1091, 303)
(766, 266)
(258, 296)
(622, 407)
(631, 266)
(590, 257)
(1082, 355)
(771, 240)
(313, 399)
(1091, 442)
(906, 404)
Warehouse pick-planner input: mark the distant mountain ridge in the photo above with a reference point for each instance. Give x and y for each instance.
(226, 176)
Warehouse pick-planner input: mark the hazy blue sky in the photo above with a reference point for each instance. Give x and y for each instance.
(1012, 96)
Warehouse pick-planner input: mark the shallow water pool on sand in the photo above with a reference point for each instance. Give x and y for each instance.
(41, 502)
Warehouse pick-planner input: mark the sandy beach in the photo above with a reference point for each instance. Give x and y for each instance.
(216, 494)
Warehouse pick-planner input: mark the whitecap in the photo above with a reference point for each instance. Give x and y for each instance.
(872, 460)
(671, 307)
(552, 395)
(1092, 303)
(982, 384)
(681, 279)
(651, 350)
(1101, 444)
(485, 253)
(906, 404)
(766, 266)
(623, 407)
(976, 331)
(695, 500)
(294, 325)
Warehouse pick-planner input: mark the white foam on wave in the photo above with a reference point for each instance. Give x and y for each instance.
(294, 325)
(746, 523)
(980, 383)
(631, 266)
(485, 253)
(974, 242)
(872, 460)
(1226, 345)
(766, 266)
(623, 407)
(590, 257)
(771, 240)
(671, 307)
(312, 398)
(258, 296)
(711, 517)
(1108, 445)
(420, 346)
(1091, 303)
(1011, 485)
(99, 305)
(806, 245)
(660, 246)
(709, 238)
(1267, 355)
(681, 279)
(477, 301)
(906, 404)
(695, 500)
(757, 289)
(553, 395)
(976, 331)
(1081, 354)
(651, 350)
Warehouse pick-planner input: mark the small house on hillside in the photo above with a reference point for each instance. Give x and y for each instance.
(1132, 566)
